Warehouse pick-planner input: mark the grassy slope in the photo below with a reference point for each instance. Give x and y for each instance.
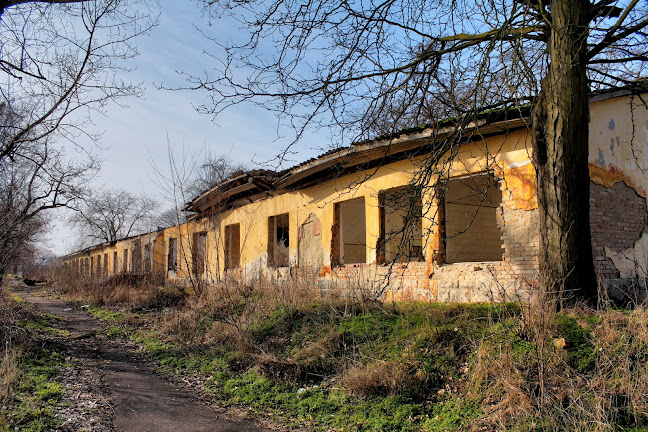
(431, 367)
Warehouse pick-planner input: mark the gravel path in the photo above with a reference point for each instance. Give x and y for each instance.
(108, 389)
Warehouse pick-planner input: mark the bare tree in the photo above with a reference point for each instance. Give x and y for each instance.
(351, 65)
(189, 176)
(113, 215)
(37, 179)
(59, 63)
(213, 170)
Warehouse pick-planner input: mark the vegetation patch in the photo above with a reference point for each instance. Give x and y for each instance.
(105, 314)
(331, 364)
(29, 369)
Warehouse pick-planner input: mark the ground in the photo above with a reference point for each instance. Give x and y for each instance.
(109, 388)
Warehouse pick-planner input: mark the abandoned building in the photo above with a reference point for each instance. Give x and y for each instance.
(369, 215)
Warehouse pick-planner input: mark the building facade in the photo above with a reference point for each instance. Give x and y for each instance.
(407, 216)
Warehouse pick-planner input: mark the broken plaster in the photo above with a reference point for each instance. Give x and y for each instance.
(631, 262)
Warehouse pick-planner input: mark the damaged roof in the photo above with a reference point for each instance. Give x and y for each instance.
(362, 155)
(230, 191)
(257, 184)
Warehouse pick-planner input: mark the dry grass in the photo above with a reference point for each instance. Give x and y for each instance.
(577, 370)
(379, 378)
(236, 307)
(12, 337)
(10, 374)
(495, 376)
(130, 290)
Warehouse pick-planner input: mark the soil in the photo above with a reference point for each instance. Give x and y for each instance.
(108, 388)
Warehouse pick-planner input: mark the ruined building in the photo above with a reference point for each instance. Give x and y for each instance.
(466, 231)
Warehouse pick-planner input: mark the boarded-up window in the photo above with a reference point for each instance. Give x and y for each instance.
(115, 263)
(137, 256)
(232, 246)
(400, 225)
(349, 242)
(105, 263)
(470, 219)
(278, 240)
(98, 261)
(172, 257)
(198, 251)
(125, 261)
(147, 258)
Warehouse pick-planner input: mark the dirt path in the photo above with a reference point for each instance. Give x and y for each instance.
(140, 400)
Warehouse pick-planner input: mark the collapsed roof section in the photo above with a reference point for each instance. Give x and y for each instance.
(233, 192)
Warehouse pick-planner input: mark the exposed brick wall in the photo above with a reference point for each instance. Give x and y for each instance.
(521, 240)
(403, 281)
(508, 279)
(618, 218)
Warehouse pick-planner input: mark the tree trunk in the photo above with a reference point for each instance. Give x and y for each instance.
(561, 141)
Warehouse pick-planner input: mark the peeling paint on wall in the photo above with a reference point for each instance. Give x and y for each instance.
(520, 184)
(618, 219)
(608, 177)
(309, 243)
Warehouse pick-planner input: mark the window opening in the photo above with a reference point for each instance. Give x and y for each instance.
(115, 263)
(349, 241)
(232, 246)
(471, 231)
(136, 256)
(147, 258)
(125, 261)
(278, 240)
(172, 257)
(198, 251)
(401, 225)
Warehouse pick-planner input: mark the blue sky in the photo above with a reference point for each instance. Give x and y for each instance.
(136, 134)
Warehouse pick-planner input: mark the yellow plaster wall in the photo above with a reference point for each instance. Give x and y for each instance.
(507, 155)
(618, 152)
(619, 142)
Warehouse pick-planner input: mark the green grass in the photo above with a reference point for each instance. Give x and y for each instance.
(116, 331)
(105, 314)
(45, 323)
(578, 338)
(34, 397)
